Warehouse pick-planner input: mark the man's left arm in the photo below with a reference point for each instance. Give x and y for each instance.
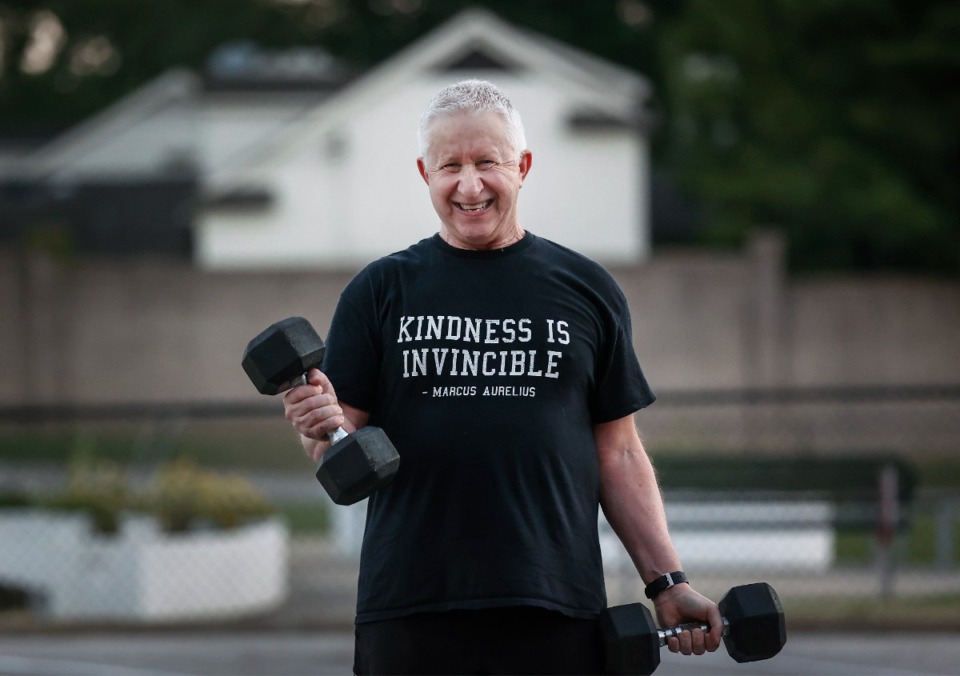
(631, 501)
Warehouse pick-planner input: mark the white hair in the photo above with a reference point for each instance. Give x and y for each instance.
(472, 96)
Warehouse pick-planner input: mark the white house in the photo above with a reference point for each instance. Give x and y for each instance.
(340, 187)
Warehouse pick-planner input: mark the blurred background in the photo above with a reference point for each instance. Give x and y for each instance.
(774, 185)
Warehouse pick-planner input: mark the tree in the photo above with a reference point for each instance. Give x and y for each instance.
(834, 120)
(62, 60)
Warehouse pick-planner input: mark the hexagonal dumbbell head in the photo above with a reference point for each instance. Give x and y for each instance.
(756, 625)
(281, 353)
(631, 641)
(357, 465)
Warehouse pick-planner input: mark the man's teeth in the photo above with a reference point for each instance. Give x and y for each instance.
(475, 207)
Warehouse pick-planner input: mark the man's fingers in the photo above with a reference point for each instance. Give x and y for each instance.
(688, 643)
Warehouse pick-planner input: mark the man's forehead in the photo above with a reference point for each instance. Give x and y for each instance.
(472, 132)
(469, 121)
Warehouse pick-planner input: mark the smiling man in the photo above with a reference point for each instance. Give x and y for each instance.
(501, 365)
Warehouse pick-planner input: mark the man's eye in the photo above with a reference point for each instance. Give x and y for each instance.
(485, 164)
(452, 166)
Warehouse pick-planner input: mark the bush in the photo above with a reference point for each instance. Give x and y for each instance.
(97, 487)
(181, 495)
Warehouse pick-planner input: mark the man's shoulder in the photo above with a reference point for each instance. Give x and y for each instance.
(571, 260)
(417, 254)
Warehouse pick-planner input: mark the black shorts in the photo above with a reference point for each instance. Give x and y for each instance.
(494, 641)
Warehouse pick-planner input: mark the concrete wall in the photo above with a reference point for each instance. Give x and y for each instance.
(109, 331)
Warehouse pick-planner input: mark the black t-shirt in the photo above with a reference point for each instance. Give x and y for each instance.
(487, 370)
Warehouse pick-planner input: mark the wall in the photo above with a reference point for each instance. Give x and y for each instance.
(106, 331)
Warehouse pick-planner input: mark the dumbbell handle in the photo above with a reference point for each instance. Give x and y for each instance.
(337, 434)
(665, 634)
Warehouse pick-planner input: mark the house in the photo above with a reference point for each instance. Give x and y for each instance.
(340, 187)
(290, 162)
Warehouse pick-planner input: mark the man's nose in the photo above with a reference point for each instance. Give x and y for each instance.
(470, 183)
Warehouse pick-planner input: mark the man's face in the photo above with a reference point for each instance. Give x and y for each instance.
(474, 176)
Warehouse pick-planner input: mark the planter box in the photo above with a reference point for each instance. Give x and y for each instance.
(750, 535)
(141, 573)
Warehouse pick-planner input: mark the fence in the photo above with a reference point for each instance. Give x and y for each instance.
(834, 496)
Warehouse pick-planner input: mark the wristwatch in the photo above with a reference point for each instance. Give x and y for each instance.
(663, 582)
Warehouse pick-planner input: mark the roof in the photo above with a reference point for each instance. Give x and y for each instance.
(173, 92)
(618, 95)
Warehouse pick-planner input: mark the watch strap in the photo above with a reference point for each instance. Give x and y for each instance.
(663, 583)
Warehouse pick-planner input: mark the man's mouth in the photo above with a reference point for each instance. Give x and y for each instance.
(479, 206)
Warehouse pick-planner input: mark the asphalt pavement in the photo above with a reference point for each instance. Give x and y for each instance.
(260, 653)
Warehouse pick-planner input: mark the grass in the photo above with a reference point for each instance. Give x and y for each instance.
(929, 613)
(237, 444)
(917, 544)
(306, 518)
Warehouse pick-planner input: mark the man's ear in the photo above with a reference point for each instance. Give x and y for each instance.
(526, 161)
(422, 168)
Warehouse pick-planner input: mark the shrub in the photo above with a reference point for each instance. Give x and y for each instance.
(181, 495)
(97, 487)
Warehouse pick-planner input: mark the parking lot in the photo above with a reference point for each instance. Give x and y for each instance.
(185, 653)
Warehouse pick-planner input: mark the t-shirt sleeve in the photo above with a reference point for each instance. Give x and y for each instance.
(620, 387)
(354, 348)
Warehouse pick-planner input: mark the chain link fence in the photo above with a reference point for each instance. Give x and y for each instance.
(170, 514)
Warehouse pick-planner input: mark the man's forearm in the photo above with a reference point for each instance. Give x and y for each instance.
(632, 503)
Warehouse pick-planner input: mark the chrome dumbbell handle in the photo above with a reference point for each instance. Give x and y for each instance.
(665, 634)
(337, 434)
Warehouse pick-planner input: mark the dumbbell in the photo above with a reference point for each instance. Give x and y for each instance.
(754, 629)
(356, 464)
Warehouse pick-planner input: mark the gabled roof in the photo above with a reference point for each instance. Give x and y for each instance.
(174, 91)
(617, 94)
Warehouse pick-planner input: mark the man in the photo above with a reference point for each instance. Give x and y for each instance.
(501, 365)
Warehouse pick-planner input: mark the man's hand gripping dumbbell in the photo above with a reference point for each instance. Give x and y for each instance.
(753, 629)
(283, 357)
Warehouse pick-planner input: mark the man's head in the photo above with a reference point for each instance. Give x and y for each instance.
(474, 161)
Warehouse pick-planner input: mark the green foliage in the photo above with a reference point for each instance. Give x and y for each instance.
(842, 478)
(181, 495)
(251, 444)
(307, 518)
(917, 546)
(833, 120)
(14, 498)
(148, 38)
(98, 488)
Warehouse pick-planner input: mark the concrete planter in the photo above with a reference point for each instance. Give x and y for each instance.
(141, 573)
(796, 535)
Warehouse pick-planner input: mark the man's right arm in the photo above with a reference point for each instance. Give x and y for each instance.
(314, 411)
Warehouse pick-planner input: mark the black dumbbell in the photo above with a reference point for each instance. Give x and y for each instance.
(754, 629)
(357, 464)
